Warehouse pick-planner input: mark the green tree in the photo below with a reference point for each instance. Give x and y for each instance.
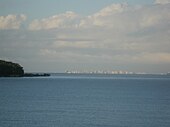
(9, 69)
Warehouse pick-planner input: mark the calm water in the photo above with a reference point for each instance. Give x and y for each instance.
(85, 101)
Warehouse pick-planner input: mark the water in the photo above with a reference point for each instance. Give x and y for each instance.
(85, 101)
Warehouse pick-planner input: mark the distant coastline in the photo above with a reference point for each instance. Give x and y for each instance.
(113, 72)
(10, 69)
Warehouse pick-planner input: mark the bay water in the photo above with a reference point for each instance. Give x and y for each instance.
(77, 100)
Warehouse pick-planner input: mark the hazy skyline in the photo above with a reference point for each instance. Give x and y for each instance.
(59, 35)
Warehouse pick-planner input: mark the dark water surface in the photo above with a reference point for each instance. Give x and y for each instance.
(85, 101)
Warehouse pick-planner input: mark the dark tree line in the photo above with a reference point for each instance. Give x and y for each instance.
(9, 69)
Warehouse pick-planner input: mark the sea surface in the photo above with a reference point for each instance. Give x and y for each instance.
(74, 100)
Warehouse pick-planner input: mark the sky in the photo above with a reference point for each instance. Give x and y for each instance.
(86, 35)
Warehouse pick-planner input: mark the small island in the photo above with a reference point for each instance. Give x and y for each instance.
(10, 69)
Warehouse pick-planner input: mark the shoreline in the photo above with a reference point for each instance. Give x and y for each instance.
(30, 75)
(36, 75)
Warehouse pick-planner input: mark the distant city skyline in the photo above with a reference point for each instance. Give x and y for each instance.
(59, 35)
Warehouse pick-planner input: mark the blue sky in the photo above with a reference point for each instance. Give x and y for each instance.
(45, 8)
(86, 35)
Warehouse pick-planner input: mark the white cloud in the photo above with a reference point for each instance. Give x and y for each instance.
(101, 18)
(71, 19)
(118, 35)
(118, 17)
(125, 18)
(162, 1)
(65, 20)
(11, 21)
(112, 9)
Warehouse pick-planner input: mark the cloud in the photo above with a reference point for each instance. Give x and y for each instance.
(71, 19)
(125, 18)
(98, 19)
(118, 35)
(65, 20)
(162, 1)
(11, 21)
(112, 9)
(153, 57)
(118, 17)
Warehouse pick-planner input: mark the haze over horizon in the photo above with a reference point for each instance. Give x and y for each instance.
(60, 35)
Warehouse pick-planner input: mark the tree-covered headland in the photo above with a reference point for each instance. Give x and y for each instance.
(10, 69)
